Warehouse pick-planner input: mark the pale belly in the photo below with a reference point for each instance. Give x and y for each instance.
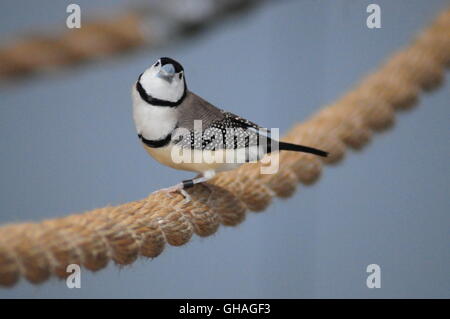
(195, 160)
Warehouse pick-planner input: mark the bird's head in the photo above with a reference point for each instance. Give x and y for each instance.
(164, 80)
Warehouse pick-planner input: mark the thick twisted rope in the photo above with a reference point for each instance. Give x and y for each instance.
(152, 25)
(143, 228)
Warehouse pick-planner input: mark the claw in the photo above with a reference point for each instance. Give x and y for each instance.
(178, 188)
(187, 197)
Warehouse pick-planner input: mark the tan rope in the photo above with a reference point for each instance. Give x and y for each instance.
(152, 25)
(142, 228)
(94, 39)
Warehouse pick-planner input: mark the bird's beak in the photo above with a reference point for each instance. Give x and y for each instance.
(167, 72)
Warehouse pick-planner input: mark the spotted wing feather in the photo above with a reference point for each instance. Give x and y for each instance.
(219, 129)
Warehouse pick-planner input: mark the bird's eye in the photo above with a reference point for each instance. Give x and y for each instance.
(157, 63)
(180, 75)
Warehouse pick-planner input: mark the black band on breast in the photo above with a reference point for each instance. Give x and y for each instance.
(156, 143)
(154, 101)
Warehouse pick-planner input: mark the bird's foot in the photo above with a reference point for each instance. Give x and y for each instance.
(178, 188)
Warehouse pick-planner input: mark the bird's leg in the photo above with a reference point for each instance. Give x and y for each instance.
(181, 187)
(205, 176)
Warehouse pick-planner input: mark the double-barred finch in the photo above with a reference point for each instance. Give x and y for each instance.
(172, 120)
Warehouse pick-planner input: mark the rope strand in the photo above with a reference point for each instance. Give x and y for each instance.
(142, 228)
(151, 25)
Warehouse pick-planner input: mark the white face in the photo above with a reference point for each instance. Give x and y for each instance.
(162, 82)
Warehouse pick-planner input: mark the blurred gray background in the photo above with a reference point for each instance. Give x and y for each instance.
(68, 144)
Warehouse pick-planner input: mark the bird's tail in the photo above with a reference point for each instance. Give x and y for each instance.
(300, 148)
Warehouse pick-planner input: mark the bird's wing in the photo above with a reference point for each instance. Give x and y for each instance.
(219, 130)
(238, 121)
(195, 108)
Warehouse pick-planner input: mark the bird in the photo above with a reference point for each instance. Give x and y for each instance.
(172, 121)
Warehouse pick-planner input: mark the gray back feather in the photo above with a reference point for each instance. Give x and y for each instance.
(196, 108)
